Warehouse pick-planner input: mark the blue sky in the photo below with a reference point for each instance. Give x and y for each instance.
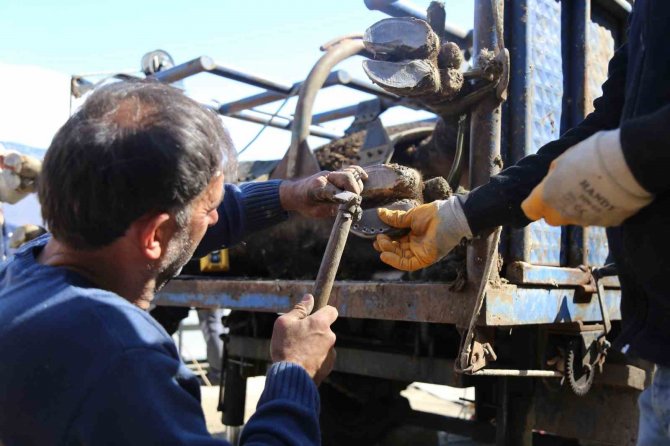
(276, 39)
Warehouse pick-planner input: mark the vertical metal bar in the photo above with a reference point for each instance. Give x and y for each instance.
(502, 412)
(485, 128)
(579, 14)
(234, 397)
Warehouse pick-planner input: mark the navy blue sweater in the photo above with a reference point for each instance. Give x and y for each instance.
(83, 366)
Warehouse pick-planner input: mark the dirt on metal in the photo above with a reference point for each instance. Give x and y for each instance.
(341, 152)
(436, 189)
(391, 182)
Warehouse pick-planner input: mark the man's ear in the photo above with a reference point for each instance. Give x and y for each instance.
(153, 233)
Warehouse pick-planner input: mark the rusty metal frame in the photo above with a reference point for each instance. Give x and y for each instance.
(505, 305)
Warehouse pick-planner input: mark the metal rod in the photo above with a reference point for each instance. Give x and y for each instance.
(276, 122)
(454, 176)
(519, 373)
(367, 87)
(351, 110)
(334, 78)
(485, 133)
(404, 8)
(484, 150)
(190, 68)
(257, 81)
(332, 256)
(333, 115)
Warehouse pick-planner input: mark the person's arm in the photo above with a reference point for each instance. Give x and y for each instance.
(255, 206)
(246, 208)
(437, 227)
(148, 397)
(645, 142)
(288, 410)
(499, 201)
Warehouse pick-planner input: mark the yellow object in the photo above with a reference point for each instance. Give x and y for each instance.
(419, 248)
(535, 207)
(215, 261)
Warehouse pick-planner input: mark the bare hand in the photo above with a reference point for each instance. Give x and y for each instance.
(305, 339)
(313, 196)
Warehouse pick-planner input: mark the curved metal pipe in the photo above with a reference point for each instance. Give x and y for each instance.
(310, 87)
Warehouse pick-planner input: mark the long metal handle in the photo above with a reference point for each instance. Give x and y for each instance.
(331, 258)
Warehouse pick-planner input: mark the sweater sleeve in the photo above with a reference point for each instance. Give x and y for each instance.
(144, 397)
(288, 410)
(499, 201)
(646, 147)
(245, 209)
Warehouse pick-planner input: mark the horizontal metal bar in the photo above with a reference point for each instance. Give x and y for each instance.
(351, 110)
(190, 68)
(506, 305)
(334, 78)
(404, 8)
(333, 115)
(367, 87)
(523, 273)
(394, 366)
(283, 123)
(251, 79)
(519, 373)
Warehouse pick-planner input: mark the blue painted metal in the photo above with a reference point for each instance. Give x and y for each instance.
(522, 273)
(273, 302)
(536, 94)
(528, 306)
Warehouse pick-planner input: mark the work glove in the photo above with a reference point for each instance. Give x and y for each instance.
(17, 175)
(589, 185)
(434, 230)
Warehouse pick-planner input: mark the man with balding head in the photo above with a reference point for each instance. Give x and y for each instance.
(129, 187)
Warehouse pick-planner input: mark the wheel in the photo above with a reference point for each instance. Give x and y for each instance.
(579, 376)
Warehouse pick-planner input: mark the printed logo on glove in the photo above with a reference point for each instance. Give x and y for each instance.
(589, 185)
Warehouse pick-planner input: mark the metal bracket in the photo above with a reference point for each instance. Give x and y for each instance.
(366, 112)
(377, 148)
(480, 352)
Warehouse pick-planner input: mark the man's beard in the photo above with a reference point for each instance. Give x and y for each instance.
(179, 251)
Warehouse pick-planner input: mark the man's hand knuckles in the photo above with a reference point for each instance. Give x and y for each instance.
(283, 323)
